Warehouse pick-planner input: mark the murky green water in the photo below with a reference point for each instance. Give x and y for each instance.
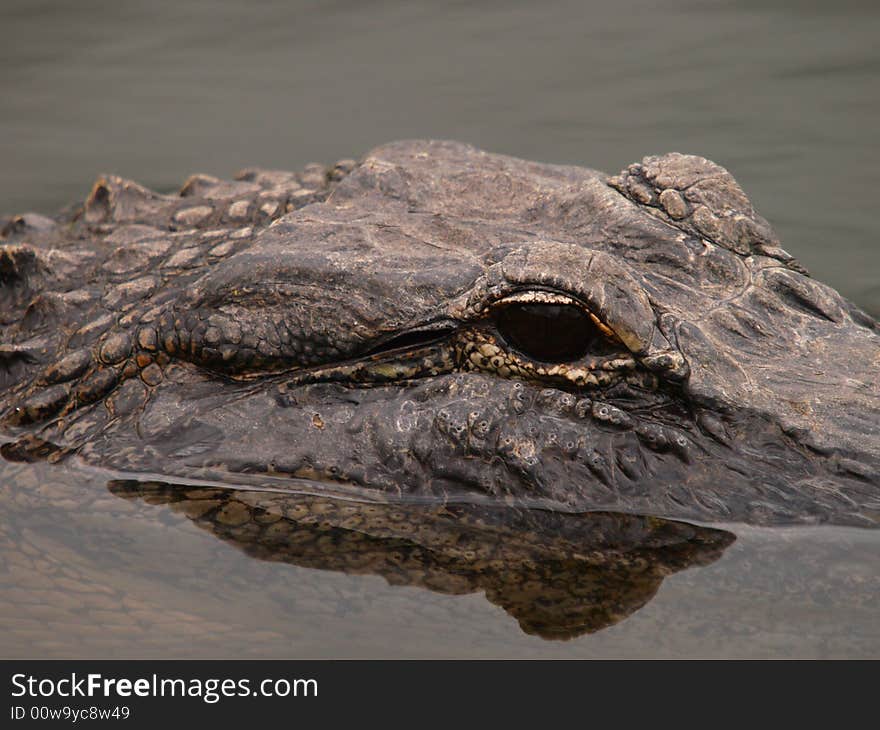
(87, 572)
(783, 94)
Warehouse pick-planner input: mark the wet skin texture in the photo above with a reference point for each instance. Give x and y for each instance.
(438, 321)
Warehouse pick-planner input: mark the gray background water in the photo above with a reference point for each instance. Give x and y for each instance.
(783, 94)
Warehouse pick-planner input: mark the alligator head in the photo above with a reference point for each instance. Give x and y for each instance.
(438, 321)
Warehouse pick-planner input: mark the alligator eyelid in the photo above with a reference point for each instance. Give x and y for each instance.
(551, 297)
(537, 295)
(603, 328)
(411, 339)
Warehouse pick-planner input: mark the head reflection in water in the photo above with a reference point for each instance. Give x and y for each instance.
(560, 575)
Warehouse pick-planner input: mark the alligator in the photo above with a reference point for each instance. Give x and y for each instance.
(435, 322)
(559, 574)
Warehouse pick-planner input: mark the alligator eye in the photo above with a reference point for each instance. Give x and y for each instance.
(547, 332)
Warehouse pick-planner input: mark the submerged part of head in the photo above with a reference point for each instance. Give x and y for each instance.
(442, 322)
(559, 575)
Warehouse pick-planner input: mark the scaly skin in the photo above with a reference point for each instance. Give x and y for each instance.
(354, 325)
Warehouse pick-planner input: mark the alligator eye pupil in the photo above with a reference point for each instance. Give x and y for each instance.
(547, 332)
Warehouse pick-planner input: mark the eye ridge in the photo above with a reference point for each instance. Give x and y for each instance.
(551, 333)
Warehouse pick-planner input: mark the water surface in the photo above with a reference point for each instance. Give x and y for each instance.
(89, 573)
